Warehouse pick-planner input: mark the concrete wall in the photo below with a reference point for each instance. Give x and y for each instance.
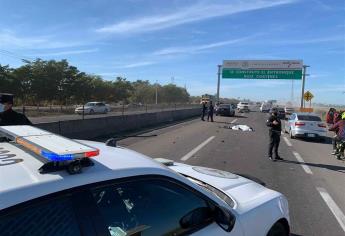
(92, 128)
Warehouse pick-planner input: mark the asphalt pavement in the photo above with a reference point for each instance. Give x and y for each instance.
(310, 178)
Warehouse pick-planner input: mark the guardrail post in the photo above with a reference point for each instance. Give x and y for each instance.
(24, 110)
(123, 109)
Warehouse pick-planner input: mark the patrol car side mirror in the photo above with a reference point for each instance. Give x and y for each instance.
(224, 218)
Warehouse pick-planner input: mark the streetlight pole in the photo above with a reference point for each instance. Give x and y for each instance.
(218, 84)
(303, 83)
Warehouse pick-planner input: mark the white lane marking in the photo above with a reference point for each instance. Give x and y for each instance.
(304, 166)
(195, 150)
(339, 215)
(32, 176)
(233, 121)
(287, 141)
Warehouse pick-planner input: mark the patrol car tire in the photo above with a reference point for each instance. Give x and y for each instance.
(291, 135)
(278, 229)
(91, 111)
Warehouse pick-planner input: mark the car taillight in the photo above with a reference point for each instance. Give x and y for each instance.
(322, 125)
(299, 123)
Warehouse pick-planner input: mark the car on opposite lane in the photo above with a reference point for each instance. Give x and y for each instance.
(126, 193)
(225, 110)
(306, 125)
(243, 107)
(92, 108)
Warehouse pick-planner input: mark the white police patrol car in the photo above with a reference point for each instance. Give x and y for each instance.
(120, 192)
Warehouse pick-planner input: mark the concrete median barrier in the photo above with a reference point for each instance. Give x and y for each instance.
(96, 127)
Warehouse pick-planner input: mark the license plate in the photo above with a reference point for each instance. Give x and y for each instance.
(311, 135)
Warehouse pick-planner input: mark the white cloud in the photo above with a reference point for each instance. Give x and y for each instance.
(10, 40)
(197, 48)
(71, 52)
(313, 40)
(194, 13)
(137, 64)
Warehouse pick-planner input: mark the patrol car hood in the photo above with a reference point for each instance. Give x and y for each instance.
(246, 193)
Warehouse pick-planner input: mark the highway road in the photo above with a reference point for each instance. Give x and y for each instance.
(310, 178)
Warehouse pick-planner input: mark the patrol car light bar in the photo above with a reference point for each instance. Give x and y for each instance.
(51, 156)
(52, 147)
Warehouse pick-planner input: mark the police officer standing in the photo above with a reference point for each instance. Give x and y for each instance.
(9, 116)
(210, 112)
(204, 108)
(274, 132)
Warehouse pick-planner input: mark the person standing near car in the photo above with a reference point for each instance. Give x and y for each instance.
(275, 128)
(210, 112)
(7, 115)
(330, 116)
(339, 128)
(204, 108)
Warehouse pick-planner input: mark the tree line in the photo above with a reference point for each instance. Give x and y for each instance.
(41, 82)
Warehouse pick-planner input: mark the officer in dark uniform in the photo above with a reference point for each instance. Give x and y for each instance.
(210, 112)
(9, 116)
(204, 109)
(274, 132)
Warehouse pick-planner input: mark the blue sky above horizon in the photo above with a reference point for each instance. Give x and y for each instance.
(184, 40)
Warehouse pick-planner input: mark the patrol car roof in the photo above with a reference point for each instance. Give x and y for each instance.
(21, 181)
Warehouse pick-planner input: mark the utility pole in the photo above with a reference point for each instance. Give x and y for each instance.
(303, 83)
(218, 85)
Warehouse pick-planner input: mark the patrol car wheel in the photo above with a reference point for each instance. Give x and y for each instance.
(278, 229)
(91, 111)
(291, 135)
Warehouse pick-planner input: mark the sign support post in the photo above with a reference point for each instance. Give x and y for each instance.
(218, 85)
(303, 84)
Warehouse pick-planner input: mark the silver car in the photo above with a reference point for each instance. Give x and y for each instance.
(305, 125)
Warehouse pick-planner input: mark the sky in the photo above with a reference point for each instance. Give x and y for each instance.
(183, 41)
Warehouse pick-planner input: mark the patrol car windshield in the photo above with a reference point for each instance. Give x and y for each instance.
(222, 196)
(309, 118)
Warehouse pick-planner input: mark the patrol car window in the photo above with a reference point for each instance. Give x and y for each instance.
(152, 207)
(55, 217)
(90, 104)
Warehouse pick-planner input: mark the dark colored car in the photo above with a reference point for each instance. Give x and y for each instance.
(225, 110)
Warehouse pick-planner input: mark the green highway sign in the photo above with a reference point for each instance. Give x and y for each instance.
(262, 69)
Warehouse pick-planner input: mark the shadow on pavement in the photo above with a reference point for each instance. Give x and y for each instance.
(328, 140)
(324, 166)
(237, 116)
(222, 122)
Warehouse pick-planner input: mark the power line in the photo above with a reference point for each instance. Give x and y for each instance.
(15, 55)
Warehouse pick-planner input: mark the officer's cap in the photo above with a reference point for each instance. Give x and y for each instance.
(6, 98)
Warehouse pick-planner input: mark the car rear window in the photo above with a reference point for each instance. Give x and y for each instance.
(309, 118)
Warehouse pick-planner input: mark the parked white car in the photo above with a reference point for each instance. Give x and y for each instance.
(93, 107)
(122, 192)
(306, 125)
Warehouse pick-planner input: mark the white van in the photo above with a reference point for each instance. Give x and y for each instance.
(265, 107)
